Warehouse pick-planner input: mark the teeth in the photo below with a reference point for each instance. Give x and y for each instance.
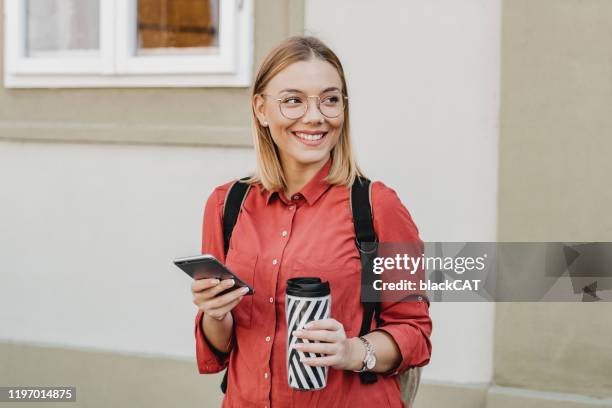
(308, 137)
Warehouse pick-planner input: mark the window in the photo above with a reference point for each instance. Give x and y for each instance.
(128, 43)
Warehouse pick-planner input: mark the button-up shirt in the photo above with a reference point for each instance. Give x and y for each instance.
(309, 234)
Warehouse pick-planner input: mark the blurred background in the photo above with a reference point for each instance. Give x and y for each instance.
(490, 118)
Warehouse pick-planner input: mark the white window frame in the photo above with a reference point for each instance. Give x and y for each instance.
(116, 65)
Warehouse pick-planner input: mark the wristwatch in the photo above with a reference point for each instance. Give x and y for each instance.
(369, 360)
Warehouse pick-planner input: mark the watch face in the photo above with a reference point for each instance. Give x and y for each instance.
(371, 362)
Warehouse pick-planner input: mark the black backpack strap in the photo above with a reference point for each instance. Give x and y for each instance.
(231, 208)
(367, 244)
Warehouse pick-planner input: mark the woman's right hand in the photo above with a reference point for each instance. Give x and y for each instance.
(205, 297)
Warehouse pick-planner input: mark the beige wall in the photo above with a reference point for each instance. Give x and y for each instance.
(153, 115)
(554, 185)
(109, 379)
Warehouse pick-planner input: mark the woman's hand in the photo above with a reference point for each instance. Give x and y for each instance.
(342, 353)
(205, 297)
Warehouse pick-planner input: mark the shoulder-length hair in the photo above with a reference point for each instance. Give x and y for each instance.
(269, 173)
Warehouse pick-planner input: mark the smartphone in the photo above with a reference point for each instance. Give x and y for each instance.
(207, 266)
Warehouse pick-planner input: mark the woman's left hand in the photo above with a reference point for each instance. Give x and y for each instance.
(338, 350)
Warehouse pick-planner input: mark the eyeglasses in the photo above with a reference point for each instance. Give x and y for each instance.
(295, 105)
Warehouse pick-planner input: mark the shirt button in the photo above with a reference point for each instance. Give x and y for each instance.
(265, 375)
(268, 338)
(284, 233)
(296, 197)
(274, 262)
(271, 300)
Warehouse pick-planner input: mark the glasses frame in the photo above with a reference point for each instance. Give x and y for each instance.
(279, 100)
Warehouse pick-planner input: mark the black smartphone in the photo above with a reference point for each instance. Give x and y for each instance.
(207, 266)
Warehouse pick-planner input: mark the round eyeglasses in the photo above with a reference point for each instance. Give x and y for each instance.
(295, 105)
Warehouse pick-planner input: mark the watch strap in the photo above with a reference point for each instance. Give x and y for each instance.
(369, 352)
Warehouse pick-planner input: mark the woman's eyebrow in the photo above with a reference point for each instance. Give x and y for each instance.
(331, 88)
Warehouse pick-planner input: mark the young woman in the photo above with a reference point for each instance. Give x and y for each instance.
(296, 221)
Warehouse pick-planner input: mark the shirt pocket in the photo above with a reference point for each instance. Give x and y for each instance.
(243, 265)
(345, 287)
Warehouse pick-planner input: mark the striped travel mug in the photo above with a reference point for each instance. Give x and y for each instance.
(306, 299)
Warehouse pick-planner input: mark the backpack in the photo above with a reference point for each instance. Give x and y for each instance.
(367, 244)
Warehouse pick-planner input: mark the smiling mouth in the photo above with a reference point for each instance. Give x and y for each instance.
(310, 137)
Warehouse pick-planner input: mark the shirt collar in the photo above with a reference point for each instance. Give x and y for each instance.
(314, 189)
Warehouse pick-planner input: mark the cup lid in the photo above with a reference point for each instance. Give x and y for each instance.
(308, 286)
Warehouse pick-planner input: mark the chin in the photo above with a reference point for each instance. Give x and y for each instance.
(311, 157)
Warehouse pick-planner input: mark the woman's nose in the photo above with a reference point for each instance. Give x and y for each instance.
(313, 113)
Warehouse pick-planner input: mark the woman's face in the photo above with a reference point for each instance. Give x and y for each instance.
(306, 141)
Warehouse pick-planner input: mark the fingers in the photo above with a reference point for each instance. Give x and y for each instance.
(200, 288)
(200, 284)
(221, 301)
(320, 335)
(214, 291)
(220, 312)
(330, 360)
(208, 298)
(210, 288)
(324, 324)
(330, 333)
(219, 306)
(321, 348)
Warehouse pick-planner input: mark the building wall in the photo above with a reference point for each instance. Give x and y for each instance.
(89, 229)
(553, 184)
(116, 199)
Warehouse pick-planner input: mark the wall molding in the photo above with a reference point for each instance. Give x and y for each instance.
(190, 135)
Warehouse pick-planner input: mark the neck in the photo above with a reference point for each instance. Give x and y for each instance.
(297, 175)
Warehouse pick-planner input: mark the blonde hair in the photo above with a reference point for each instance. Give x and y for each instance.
(270, 174)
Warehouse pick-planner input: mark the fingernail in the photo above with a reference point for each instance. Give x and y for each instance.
(215, 281)
(244, 290)
(308, 325)
(297, 332)
(230, 282)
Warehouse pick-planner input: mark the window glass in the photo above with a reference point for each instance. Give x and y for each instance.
(177, 27)
(62, 27)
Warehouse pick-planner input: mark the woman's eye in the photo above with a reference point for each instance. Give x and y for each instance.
(331, 100)
(292, 100)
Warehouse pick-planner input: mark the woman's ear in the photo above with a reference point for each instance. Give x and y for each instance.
(259, 108)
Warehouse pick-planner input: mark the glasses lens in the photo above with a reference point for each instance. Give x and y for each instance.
(332, 104)
(293, 106)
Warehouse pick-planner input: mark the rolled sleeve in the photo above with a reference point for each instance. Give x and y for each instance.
(409, 324)
(209, 359)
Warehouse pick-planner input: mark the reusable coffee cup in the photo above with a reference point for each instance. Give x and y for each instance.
(306, 299)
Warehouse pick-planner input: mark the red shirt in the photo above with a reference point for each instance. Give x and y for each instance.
(312, 234)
